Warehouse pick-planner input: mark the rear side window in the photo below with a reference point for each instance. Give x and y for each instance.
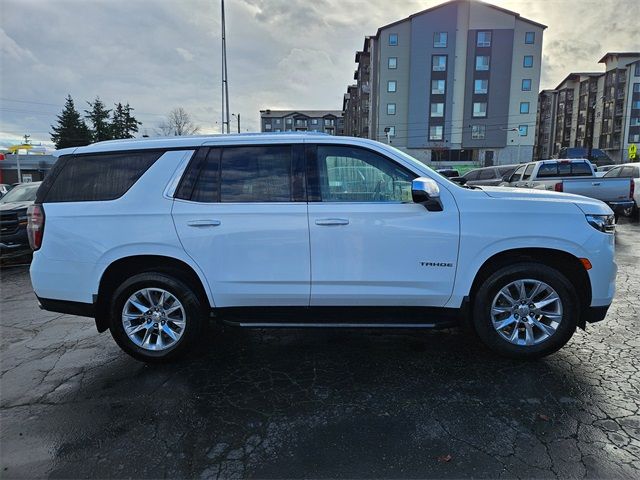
(487, 174)
(614, 172)
(548, 170)
(96, 177)
(472, 175)
(581, 169)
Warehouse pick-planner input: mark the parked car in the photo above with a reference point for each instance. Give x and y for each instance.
(151, 237)
(598, 157)
(448, 172)
(600, 171)
(632, 171)
(488, 175)
(573, 176)
(13, 217)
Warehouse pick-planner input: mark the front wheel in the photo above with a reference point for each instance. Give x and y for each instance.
(155, 317)
(526, 310)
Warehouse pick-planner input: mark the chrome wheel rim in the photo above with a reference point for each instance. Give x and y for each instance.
(154, 319)
(526, 312)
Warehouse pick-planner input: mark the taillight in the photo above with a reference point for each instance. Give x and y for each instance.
(558, 187)
(35, 226)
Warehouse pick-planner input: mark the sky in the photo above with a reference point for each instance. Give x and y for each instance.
(282, 54)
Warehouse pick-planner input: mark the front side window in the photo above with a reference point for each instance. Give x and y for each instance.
(478, 132)
(480, 109)
(436, 132)
(528, 61)
(482, 62)
(391, 108)
(437, 87)
(530, 38)
(393, 39)
(484, 39)
(528, 171)
(481, 86)
(392, 85)
(517, 174)
(393, 63)
(437, 109)
(348, 174)
(440, 40)
(524, 107)
(439, 63)
(526, 84)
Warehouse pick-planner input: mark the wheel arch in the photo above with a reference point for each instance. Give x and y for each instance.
(125, 267)
(565, 262)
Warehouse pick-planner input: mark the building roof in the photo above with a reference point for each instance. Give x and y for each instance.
(495, 7)
(307, 113)
(618, 54)
(577, 75)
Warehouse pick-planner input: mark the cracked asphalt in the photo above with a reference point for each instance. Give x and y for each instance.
(323, 404)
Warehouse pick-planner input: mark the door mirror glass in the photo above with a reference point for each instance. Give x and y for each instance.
(426, 192)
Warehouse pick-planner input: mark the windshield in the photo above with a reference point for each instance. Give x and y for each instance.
(21, 193)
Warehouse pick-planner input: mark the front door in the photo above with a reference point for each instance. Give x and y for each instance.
(370, 244)
(241, 214)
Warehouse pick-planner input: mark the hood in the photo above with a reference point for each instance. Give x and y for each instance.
(13, 206)
(586, 204)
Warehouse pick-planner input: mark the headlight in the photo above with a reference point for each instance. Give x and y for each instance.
(604, 223)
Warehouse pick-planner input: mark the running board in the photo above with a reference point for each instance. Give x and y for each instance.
(327, 325)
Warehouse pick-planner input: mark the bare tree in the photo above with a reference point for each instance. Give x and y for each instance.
(178, 123)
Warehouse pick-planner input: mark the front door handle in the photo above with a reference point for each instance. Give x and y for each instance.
(332, 221)
(203, 223)
(596, 184)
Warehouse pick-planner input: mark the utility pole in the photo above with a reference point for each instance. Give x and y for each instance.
(225, 79)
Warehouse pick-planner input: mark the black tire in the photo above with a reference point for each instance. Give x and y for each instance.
(526, 270)
(177, 287)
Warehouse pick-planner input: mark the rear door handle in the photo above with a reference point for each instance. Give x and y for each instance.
(203, 223)
(332, 221)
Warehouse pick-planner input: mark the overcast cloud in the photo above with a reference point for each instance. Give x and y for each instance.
(298, 54)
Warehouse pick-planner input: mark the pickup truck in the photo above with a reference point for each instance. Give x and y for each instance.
(577, 176)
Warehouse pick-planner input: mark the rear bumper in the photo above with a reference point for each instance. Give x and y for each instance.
(65, 306)
(596, 314)
(619, 207)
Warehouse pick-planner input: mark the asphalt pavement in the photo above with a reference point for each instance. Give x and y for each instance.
(321, 404)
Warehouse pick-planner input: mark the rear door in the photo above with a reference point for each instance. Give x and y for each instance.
(370, 244)
(241, 214)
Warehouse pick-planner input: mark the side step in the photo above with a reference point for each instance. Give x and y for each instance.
(327, 325)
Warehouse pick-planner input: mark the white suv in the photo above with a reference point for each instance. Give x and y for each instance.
(151, 237)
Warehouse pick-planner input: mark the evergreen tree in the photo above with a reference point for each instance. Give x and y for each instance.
(70, 131)
(99, 118)
(123, 123)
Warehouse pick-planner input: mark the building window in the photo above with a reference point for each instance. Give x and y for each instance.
(528, 61)
(634, 138)
(482, 62)
(530, 38)
(523, 130)
(392, 131)
(524, 107)
(636, 71)
(480, 109)
(435, 132)
(277, 121)
(329, 121)
(526, 84)
(393, 63)
(267, 126)
(393, 39)
(636, 87)
(478, 132)
(314, 121)
(481, 86)
(277, 130)
(635, 104)
(437, 109)
(437, 87)
(439, 63)
(289, 121)
(300, 122)
(391, 108)
(440, 40)
(392, 85)
(483, 39)
(635, 121)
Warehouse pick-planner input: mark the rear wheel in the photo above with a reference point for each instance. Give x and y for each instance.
(526, 310)
(155, 317)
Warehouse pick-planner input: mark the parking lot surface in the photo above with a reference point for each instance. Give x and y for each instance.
(272, 404)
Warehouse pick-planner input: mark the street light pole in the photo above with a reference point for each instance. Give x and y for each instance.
(238, 118)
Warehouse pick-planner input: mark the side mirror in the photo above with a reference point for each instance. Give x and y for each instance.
(459, 180)
(507, 177)
(426, 192)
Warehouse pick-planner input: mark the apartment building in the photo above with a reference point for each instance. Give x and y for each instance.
(325, 121)
(593, 110)
(356, 105)
(456, 82)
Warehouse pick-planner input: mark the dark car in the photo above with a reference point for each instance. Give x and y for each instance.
(448, 172)
(13, 217)
(597, 157)
(488, 176)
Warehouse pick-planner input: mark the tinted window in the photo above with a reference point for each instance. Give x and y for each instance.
(349, 174)
(506, 170)
(256, 174)
(207, 186)
(581, 169)
(487, 174)
(614, 172)
(472, 175)
(626, 172)
(548, 170)
(104, 176)
(528, 172)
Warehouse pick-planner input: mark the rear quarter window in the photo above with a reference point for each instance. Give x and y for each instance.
(95, 177)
